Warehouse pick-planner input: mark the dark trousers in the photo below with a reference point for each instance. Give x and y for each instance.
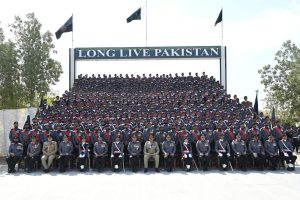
(99, 162)
(11, 162)
(273, 160)
(242, 161)
(295, 144)
(116, 160)
(187, 161)
(204, 161)
(134, 160)
(290, 159)
(64, 162)
(224, 159)
(82, 161)
(169, 160)
(259, 161)
(29, 162)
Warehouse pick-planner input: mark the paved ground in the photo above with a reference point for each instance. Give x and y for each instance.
(74, 185)
(177, 185)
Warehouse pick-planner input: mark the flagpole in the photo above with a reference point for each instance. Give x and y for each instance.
(146, 24)
(72, 31)
(222, 25)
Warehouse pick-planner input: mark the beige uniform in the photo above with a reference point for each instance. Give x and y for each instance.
(49, 153)
(151, 151)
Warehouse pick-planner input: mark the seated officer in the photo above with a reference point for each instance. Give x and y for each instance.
(187, 153)
(169, 150)
(257, 150)
(288, 155)
(83, 154)
(33, 154)
(117, 153)
(65, 152)
(223, 149)
(239, 148)
(134, 149)
(15, 153)
(203, 148)
(271, 149)
(49, 153)
(100, 151)
(151, 150)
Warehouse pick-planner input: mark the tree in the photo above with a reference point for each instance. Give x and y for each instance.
(10, 84)
(282, 82)
(37, 69)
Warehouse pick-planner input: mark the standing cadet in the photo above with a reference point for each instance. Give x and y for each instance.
(277, 131)
(25, 138)
(169, 150)
(253, 131)
(65, 152)
(240, 149)
(117, 153)
(33, 154)
(258, 154)
(271, 149)
(151, 150)
(15, 132)
(49, 153)
(287, 153)
(134, 149)
(265, 132)
(208, 135)
(296, 137)
(187, 154)
(15, 153)
(83, 154)
(203, 149)
(100, 151)
(223, 150)
(57, 134)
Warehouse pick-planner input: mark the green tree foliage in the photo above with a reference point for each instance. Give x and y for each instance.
(282, 82)
(11, 93)
(37, 69)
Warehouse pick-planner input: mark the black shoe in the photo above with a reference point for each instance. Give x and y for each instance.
(9, 171)
(145, 170)
(157, 170)
(205, 169)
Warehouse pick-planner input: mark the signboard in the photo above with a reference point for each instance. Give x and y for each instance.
(147, 52)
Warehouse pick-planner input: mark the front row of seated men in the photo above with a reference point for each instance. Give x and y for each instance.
(270, 151)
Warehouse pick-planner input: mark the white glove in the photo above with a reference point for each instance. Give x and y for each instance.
(130, 156)
(228, 154)
(220, 154)
(254, 155)
(201, 154)
(185, 156)
(285, 154)
(112, 156)
(294, 154)
(120, 156)
(206, 154)
(190, 155)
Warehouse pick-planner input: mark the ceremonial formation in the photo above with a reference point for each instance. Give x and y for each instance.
(150, 122)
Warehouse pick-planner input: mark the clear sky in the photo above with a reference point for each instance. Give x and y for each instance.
(253, 32)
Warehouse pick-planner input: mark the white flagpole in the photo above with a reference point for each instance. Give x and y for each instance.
(72, 31)
(222, 25)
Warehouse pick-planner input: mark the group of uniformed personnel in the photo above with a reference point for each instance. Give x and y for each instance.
(191, 147)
